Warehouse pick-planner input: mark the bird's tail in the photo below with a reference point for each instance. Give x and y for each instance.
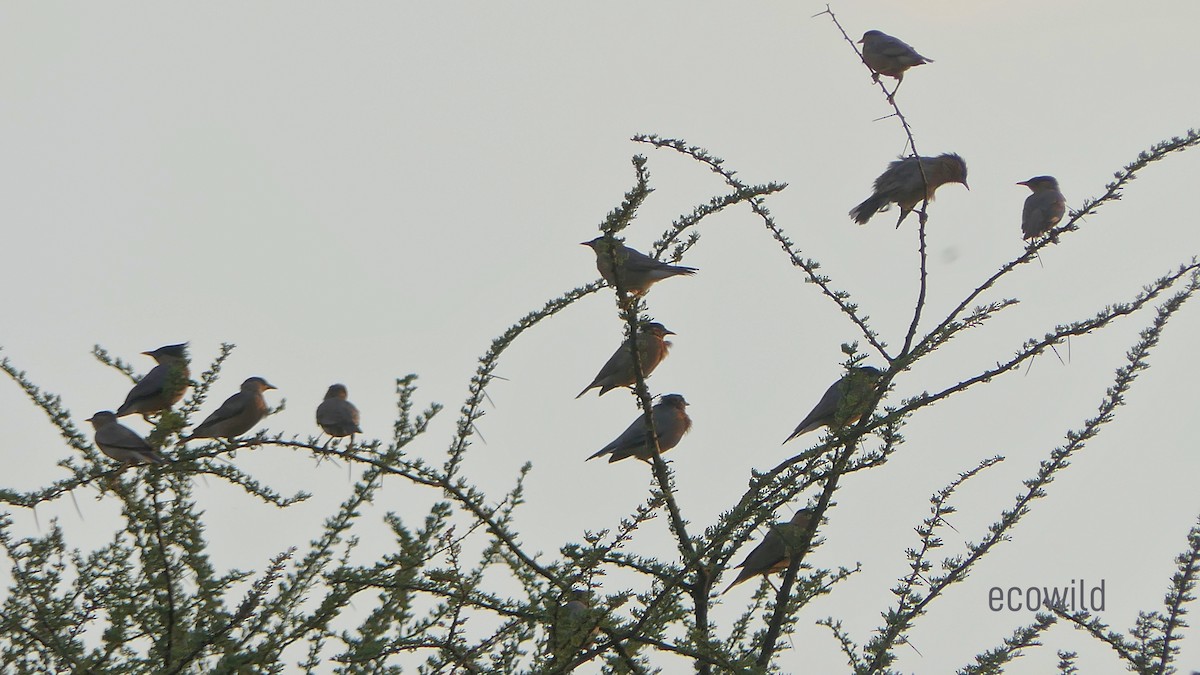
(800, 431)
(739, 579)
(872, 205)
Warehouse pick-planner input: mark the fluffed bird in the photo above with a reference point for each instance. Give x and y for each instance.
(122, 443)
(336, 415)
(774, 552)
(163, 386)
(635, 271)
(1044, 208)
(901, 183)
(618, 370)
(238, 414)
(670, 424)
(844, 401)
(889, 56)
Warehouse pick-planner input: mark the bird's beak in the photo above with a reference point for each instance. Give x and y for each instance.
(90, 419)
(1024, 182)
(669, 332)
(268, 385)
(585, 243)
(966, 186)
(860, 42)
(148, 353)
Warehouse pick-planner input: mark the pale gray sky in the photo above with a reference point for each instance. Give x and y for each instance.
(355, 192)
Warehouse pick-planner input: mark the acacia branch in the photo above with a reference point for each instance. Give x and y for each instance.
(1113, 192)
(958, 568)
(168, 582)
(922, 212)
(758, 206)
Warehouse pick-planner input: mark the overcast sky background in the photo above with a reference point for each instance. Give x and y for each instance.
(352, 193)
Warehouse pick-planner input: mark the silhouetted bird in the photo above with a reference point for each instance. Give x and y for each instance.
(122, 443)
(336, 415)
(635, 271)
(889, 56)
(902, 184)
(1044, 208)
(772, 554)
(163, 386)
(573, 626)
(844, 401)
(618, 370)
(238, 414)
(670, 424)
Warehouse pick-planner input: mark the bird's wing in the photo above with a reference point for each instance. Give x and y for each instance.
(822, 413)
(148, 386)
(629, 440)
(232, 407)
(337, 412)
(764, 559)
(1042, 211)
(670, 424)
(611, 367)
(895, 47)
(640, 262)
(896, 177)
(122, 438)
(329, 412)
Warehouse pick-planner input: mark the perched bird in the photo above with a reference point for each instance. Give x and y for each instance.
(902, 184)
(573, 628)
(844, 401)
(618, 371)
(163, 386)
(122, 443)
(1044, 208)
(772, 553)
(635, 271)
(337, 416)
(670, 424)
(889, 56)
(238, 413)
